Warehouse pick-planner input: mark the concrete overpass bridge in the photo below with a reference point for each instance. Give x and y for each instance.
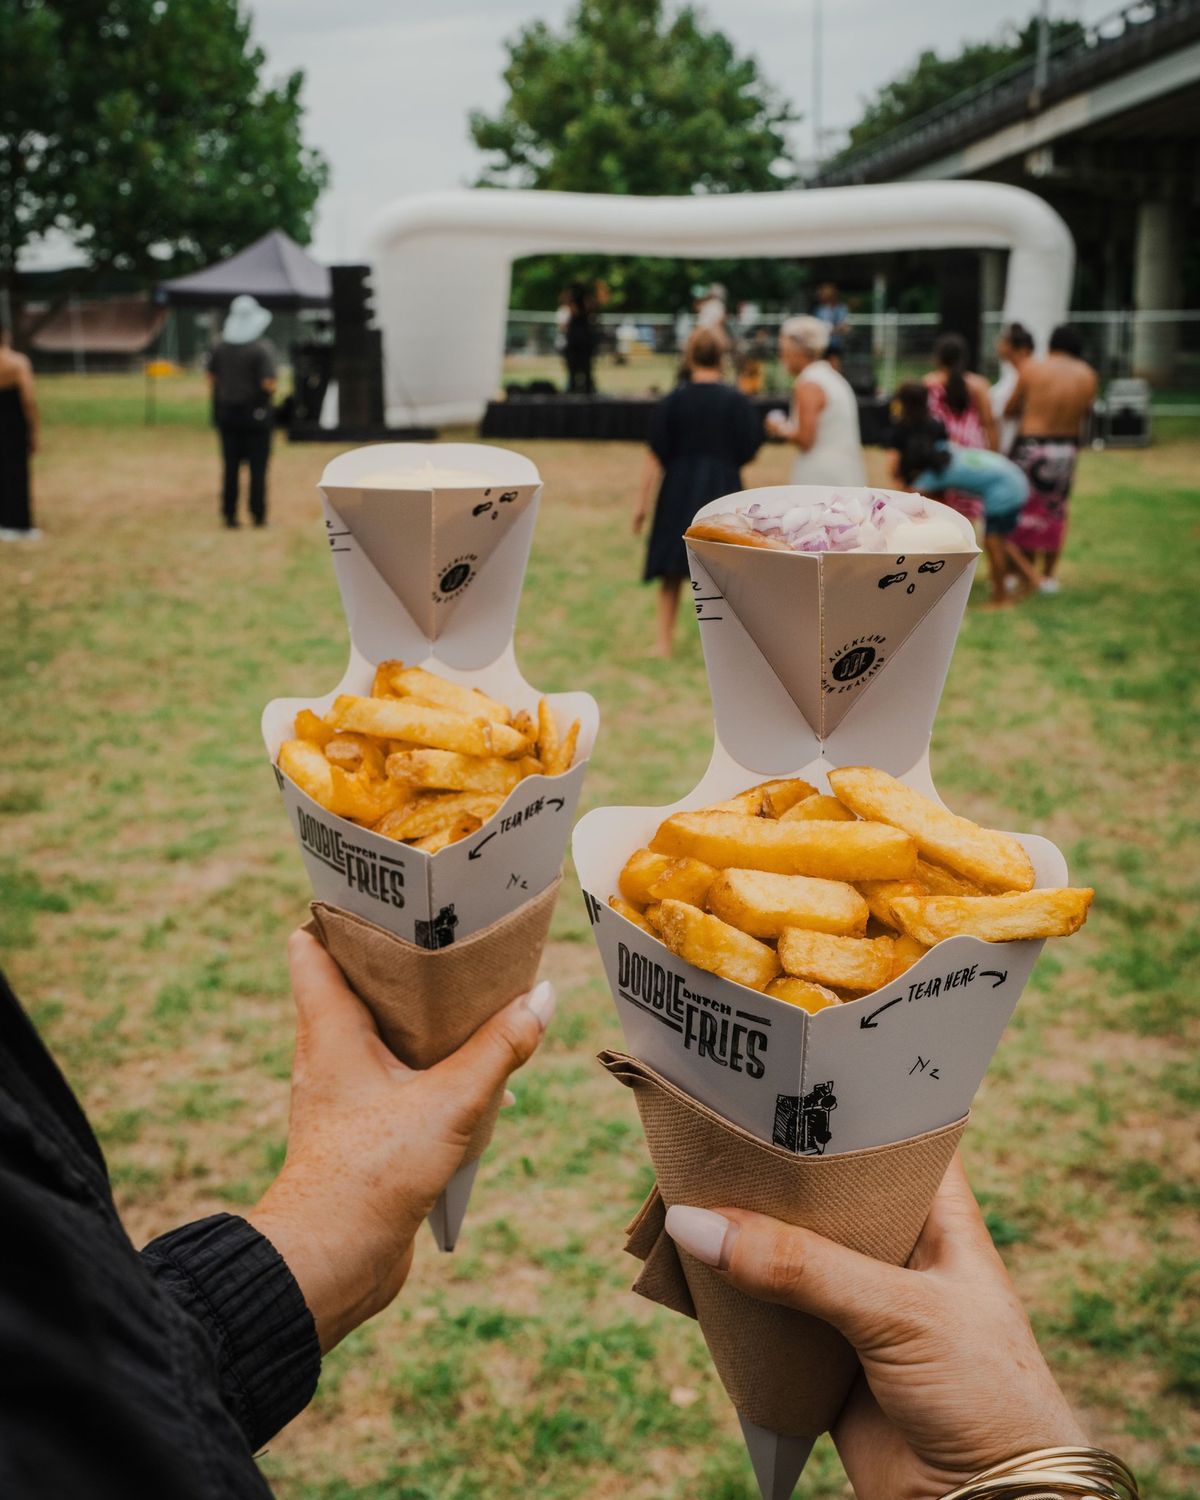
(1107, 130)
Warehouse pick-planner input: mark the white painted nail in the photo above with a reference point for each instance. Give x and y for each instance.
(541, 1000)
(702, 1233)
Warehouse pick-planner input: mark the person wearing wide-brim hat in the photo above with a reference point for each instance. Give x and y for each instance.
(241, 373)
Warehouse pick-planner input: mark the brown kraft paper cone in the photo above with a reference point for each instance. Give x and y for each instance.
(783, 1370)
(427, 1002)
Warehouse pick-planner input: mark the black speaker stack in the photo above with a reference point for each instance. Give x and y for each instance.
(357, 349)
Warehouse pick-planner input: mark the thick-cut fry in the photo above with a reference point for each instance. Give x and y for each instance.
(711, 944)
(381, 684)
(850, 963)
(338, 792)
(565, 753)
(313, 729)
(433, 814)
(421, 724)
(529, 765)
(522, 722)
(763, 905)
(425, 687)
(443, 770)
(879, 894)
(820, 808)
(779, 796)
(639, 873)
(810, 997)
(355, 752)
(433, 843)
(830, 851)
(653, 916)
(547, 740)
(996, 860)
(997, 919)
(683, 880)
(941, 882)
(905, 952)
(630, 912)
(747, 804)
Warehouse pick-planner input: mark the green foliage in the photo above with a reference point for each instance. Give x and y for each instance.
(631, 97)
(933, 80)
(145, 131)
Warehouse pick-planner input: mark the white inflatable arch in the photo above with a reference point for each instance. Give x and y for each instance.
(442, 261)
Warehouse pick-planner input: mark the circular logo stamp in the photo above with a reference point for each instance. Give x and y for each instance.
(455, 577)
(855, 663)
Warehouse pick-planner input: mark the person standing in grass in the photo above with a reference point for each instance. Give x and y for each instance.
(823, 422)
(241, 374)
(700, 436)
(18, 442)
(962, 402)
(1052, 399)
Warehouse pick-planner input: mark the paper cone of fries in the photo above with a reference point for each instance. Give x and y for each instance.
(843, 1118)
(434, 892)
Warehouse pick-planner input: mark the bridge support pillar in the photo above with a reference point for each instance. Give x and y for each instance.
(1157, 287)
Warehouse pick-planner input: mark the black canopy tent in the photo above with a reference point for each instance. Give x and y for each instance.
(274, 269)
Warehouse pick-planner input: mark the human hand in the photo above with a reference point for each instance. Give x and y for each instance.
(775, 423)
(372, 1143)
(953, 1380)
(639, 520)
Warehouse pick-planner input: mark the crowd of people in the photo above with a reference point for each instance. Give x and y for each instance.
(1002, 455)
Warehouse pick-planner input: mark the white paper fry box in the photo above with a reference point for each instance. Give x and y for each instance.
(430, 569)
(814, 662)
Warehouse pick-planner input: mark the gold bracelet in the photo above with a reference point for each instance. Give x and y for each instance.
(1053, 1474)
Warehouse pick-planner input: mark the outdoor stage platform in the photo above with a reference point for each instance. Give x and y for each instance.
(622, 418)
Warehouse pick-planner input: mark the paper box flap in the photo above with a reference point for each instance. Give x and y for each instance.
(429, 543)
(828, 627)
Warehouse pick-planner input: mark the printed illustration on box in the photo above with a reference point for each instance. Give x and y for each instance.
(433, 790)
(815, 1028)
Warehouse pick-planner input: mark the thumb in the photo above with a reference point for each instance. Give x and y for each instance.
(499, 1047)
(863, 1299)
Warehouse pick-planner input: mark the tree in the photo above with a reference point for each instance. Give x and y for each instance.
(143, 130)
(934, 80)
(631, 97)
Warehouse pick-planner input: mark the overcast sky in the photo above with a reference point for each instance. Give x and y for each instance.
(390, 82)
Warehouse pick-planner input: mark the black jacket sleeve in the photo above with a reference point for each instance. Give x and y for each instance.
(237, 1286)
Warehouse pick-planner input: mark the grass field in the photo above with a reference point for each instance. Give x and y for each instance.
(148, 878)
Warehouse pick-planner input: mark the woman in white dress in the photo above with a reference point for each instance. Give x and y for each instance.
(823, 422)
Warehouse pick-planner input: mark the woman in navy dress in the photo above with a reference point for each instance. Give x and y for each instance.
(700, 436)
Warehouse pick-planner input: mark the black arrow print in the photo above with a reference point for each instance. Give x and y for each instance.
(868, 1023)
(476, 852)
(559, 802)
(999, 975)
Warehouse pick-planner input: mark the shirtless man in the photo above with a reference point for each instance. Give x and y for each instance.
(1051, 399)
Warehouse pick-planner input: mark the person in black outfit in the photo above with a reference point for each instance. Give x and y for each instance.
(18, 440)
(700, 436)
(161, 1374)
(241, 372)
(579, 347)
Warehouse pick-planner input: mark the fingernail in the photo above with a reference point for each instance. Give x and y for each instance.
(541, 1000)
(708, 1236)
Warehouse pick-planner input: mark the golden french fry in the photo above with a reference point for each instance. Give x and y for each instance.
(940, 882)
(905, 952)
(630, 912)
(444, 770)
(747, 804)
(653, 917)
(433, 843)
(779, 796)
(422, 724)
(344, 795)
(682, 880)
(424, 687)
(565, 753)
(820, 808)
(529, 765)
(434, 813)
(523, 723)
(810, 997)
(355, 752)
(639, 873)
(763, 905)
(381, 685)
(850, 963)
(706, 941)
(309, 726)
(997, 919)
(995, 860)
(547, 740)
(829, 851)
(879, 894)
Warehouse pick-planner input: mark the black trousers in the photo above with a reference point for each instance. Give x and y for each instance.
(579, 372)
(250, 445)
